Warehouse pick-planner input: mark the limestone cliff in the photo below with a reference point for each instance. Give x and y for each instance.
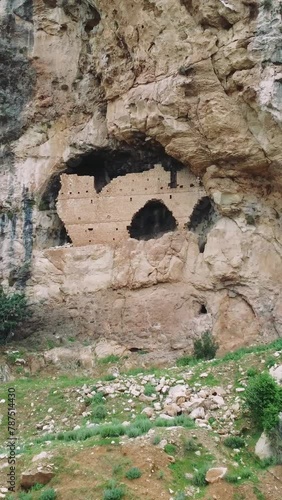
(104, 89)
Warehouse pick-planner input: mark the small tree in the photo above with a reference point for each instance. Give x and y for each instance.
(13, 310)
(264, 401)
(205, 347)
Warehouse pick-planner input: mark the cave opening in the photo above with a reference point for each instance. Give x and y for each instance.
(203, 309)
(152, 221)
(202, 219)
(103, 165)
(121, 159)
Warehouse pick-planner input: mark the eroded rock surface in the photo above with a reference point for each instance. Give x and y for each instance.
(114, 88)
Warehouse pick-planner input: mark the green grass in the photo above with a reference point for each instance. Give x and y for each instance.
(170, 449)
(187, 361)
(240, 353)
(112, 430)
(180, 420)
(109, 359)
(149, 389)
(156, 440)
(199, 478)
(133, 432)
(99, 412)
(49, 494)
(108, 378)
(97, 399)
(239, 475)
(234, 442)
(113, 491)
(189, 445)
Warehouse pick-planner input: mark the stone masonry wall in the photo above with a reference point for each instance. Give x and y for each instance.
(92, 217)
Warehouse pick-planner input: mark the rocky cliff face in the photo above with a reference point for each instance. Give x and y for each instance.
(130, 84)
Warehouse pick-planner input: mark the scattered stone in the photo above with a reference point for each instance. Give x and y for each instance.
(263, 447)
(198, 413)
(148, 411)
(215, 474)
(41, 456)
(276, 373)
(40, 475)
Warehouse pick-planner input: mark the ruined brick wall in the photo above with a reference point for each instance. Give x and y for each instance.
(92, 217)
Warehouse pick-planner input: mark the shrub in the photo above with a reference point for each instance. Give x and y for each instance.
(270, 418)
(170, 449)
(142, 423)
(13, 310)
(99, 412)
(252, 372)
(156, 440)
(25, 496)
(133, 473)
(49, 494)
(37, 487)
(184, 361)
(239, 475)
(109, 359)
(97, 399)
(181, 495)
(133, 432)
(234, 442)
(205, 347)
(263, 393)
(199, 478)
(164, 422)
(184, 421)
(112, 430)
(109, 377)
(270, 361)
(115, 493)
(267, 4)
(189, 445)
(149, 389)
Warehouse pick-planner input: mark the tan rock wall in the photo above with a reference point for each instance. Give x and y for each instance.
(202, 78)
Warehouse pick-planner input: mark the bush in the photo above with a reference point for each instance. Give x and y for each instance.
(133, 432)
(156, 440)
(252, 372)
(239, 475)
(143, 423)
(13, 310)
(234, 442)
(97, 399)
(184, 361)
(267, 4)
(199, 478)
(189, 445)
(48, 494)
(99, 412)
(270, 418)
(170, 449)
(112, 430)
(112, 358)
(115, 493)
(205, 347)
(133, 473)
(24, 496)
(149, 389)
(264, 400)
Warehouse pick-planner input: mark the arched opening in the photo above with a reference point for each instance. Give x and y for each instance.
(202, 220)
(152, 221)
